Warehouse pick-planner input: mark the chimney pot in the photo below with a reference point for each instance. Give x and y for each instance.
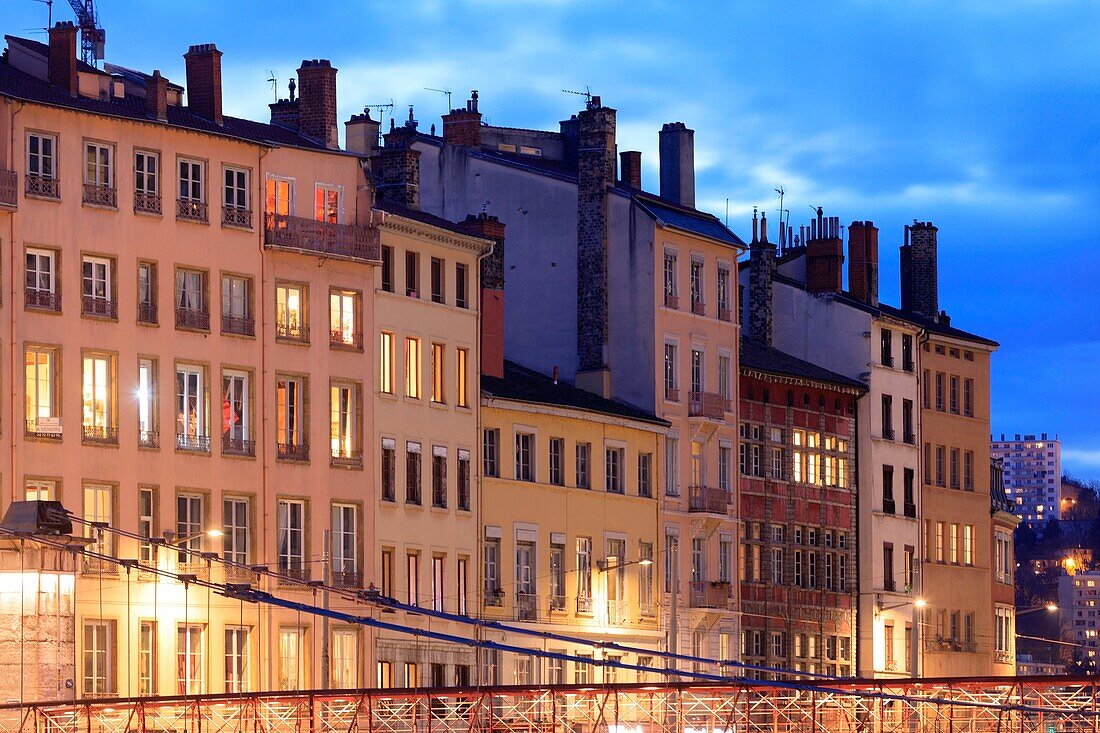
(824, 255)
(61, 63)
(156, 97)
(863, 261)
(317, 102)
(492, 292)
(677, 158)
(204, 81)
(630, 168)
(761, 272)
(463, 126)
(920, 270)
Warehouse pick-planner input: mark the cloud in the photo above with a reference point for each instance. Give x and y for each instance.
(1083, 456)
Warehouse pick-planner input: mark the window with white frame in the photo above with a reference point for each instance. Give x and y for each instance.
(328, 202)
(235, 189)
(98, 657)
(236, 659)
(42, 155)
(236, 422)
(191, 186)
(190, 640)
(235, 529)
(191, 429)
(98, 165)
(345, 544)
(614, 466)
(290, 539)
(146, 173)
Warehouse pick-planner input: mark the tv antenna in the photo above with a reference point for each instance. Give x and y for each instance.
(49, 16)
(274, 82)
(587, 93)
(382, 110)
(442, 91)
(781, 191)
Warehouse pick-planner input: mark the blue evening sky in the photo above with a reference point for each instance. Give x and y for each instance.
(981, 116)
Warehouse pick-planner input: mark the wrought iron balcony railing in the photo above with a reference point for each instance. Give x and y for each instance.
(147, 203)
(98, 194)
(42, 187)
(322, 237)
(191, 210)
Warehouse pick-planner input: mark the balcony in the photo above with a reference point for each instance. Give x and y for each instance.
(9, 190)
(698, 307)
(238, 325)
(527, 607)
(234, 216)
(888, 360)
(92, 305)
(193, 319)
(292, 332)
(147, 313)
(97, 194)
(193, 443)
(671, 301)
(616, 613)
(43, 187)
(232, 446)
(708, 499)
(910, 438)
(908, 365)
(939, 643)
(910, 510)
(557, 603)
(887, 433)
(345, 340)
(710, 594)
(493, 598)
(292, 451)
(708, 405)
(725, 314)
(100, 566)
(101, 434)
(147, 203)
(45, 300)
(584, 604)
(347, 578)
(672, 394)
(889, 584)
(889, 506)
(322, 237)
(148, 439)
(44, 427)
(346, 458)
(299, 573)
(647, 608)
(190, 210)
(1002, 657)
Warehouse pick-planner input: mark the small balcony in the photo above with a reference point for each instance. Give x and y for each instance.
(910, 510)
(43, 187)
(671, 301)
(725, 314)
(527, 607)
(557, 603)
(908, 365)
(101, 434)
(672, 394)
(493, 598)
(321, 237)
(292, 332)
(347, 578)
(191, 210)
(147, 203)
(9, 190)
(708, 499)
(295, 572)
(616, 613)
(910, 438)
(889, 506)
(345, 340)
(234, 216)
(292, 451)
(346, 458)
(98, 194)
(708, 405)
(148, 439)
(584, 604)
(44, 427)
(647, 609)
(698, 307)
(193, 319)
(45, 300)
(92, 305)
(193, 443)
(234, 446)
(888, 361)
(887, 433)
(710, 594)
(147, 313)
(889, 584)
(238, 325)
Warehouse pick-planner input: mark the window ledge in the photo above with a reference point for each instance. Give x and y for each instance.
(440, 510)
(238, 227)
(291, 341)
(44, 311)
(101, 207)
(39, 197)
(150, 214)
(192, 452)
(93, 317)
(192, 329)
(438, 405)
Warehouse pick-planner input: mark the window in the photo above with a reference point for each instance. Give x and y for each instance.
(191, 427)
(696, 284)
(98, 403)
(584, 468)
(463, 487)
(462, 376)
(584, 574)
(614, 465)
(698, 560)
(724, 376)
(968, 544)
(291, 672)
(525, 457)
(907, 352)
(439, 476)
(909, 566)
(696, 371)
(953, 546)
(926, 389)
(98, 508)
(236, 659)
(777, 566)
(385, 573)
(389, 469)
(147, 658)
(384, 677)
(344, 423)
(888, 582)
(439, 582)
(191, 204)
(327, 203)
(345, 546)
(725, 559)
(437, 268)
(1002, 557)
(672, 477)
(189, 659)
(888, 490)
(290, 428)
(940, 542)
(290, 313)
(725, 458)
(645, 474)
(670, 279)
(412, 274)
(907, 422)
(909, 496)
(939, 391)
(412, 578)
(147, 181)
(1004, 630)
(98, 658)
(412, 473)
(189, 523)
(412, 367)
(345, 659)
(968, 397)
(191, 308)
(235, 529)
(237, 305)
(41, 392)
(344, 319)
(97, 287)
(461, 578)
(387, 269)
(291, 537)
(41, 280)
(887, 356)
(940, 475)
(146, 526)
(557, 575)
(491, 558)
(235, 197)
(490, 452)
(42, 157)
(236, 413)
(461, 286)
(670, 373)
(147, 292)
(887, 417)
(438, 377)
(723, 293)
(557, 461)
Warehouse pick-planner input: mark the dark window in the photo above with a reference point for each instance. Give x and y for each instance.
(464, 480)
(412, 275)
(490, 452)
(888, 505)
(412, 476)
(557, 461)
(907, 352)
(439, 481)
(907, 421)
(887, 417)
(461, 286)
(437, 280)
(909, 495)
(389, 473)
(387, 269)
(887, 347)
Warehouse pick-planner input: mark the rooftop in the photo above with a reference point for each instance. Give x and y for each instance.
(423, 217)
(768, 359)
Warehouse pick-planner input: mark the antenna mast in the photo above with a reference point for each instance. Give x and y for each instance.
(92, 36)
(442, 91)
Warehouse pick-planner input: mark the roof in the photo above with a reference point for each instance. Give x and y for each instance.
(42, 49)
(537, 164)
(19, 85)
(768, 359)
(697, 222)
(392, 207)
(526, 385)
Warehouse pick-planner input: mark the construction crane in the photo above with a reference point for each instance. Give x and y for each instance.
(92, 37)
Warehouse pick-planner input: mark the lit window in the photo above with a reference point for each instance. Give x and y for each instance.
(290, 314)
(412, 367)
(386, 365)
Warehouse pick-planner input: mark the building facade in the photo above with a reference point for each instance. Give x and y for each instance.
(1032, 475)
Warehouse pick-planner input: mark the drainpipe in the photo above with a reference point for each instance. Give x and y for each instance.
(479, 539)
(15, 367)
(261, 436)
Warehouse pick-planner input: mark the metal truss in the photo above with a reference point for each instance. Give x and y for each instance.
(987, 705)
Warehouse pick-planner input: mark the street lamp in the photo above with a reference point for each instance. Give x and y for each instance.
(1050, 608)
(171, 540)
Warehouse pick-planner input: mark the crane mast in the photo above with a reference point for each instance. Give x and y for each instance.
(92, 36)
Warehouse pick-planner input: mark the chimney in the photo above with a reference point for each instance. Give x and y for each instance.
(571, 139)
(595, 176)
(361, 134)
(317, 102)
(630, 168)
(463, 126)
(677, 149)
(397, 168)
(62, 59)
(863, 261)
(919, 270)
(204, 81)
(825, 255)
(492, 293)
(156, 97)
(761, 270)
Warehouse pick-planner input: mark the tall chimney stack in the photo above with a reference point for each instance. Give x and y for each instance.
(630, 168)
(677, 152)
(863, 261)
(492, 292)
(62, 58)
(463, 126)
(761, 270)
(317, 102)
(204, 81)
(361, 134)
(825, 255)
(920, 269)
(156, 97)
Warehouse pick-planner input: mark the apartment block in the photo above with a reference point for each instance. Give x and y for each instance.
(1032, 474)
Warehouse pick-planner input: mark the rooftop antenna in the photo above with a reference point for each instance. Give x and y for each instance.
(274, 82)
(49, 16)
(587, 93)
(781, 191)
(383, 109)
(442, 91)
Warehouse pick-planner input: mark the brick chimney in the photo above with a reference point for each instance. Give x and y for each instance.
(156, 97)
(62, 59)
(361, 134)
(920, 269)
(204, 81)
(492, 293)
(761, 270)
(630, 168)
(595, 176)
(317, 102)
(677, 150)
(825, 255)
(463, 126)
(863, 261)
